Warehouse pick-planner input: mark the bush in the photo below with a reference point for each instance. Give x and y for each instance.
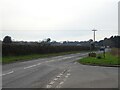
(92, 54)
(99, 57)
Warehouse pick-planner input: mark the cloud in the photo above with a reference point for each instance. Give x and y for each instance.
(58, 19)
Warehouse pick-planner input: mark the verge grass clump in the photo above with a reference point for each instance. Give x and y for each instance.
(109, 60)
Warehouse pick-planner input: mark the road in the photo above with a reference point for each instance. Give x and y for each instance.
(58, 72)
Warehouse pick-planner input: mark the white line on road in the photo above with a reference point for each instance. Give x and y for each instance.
(51, 83)
(48, 86)
(38, 63)
(7, 73)
(50, 61)
(68, 74)
(61, 74)
(61, 83)
(58, 76)
(32, 66)
(55, 79)
(58, 86)
(59, 56)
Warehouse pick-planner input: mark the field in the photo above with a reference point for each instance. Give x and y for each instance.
(111, 59)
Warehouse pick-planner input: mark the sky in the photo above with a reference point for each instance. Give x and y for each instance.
(60, 20)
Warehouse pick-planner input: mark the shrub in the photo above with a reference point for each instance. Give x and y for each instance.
(92, 54)
(99, 57)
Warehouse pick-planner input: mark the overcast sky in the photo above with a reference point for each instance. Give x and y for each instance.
(73, 20)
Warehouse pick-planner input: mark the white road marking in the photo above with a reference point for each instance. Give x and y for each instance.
(75, 62)
(50, 61)
(48, 86)
(30, 66)
(68, 74)
(38, 63)
(59, 56)
(64, 70)
(7, 73)
(43, 62)
(65, 58)
(61, 74)
(52, 82)
(61, 59)
(47, 61)
(61, 83)
(58, 86)
(58, 76)
(55, 79)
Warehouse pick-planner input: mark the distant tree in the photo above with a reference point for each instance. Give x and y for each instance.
(45, 42)
(48, 40)
(64, 42)
(7, 39)
(90, 41)
(106, 42)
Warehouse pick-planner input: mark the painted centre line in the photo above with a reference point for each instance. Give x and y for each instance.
(7, 73)
(32, 66)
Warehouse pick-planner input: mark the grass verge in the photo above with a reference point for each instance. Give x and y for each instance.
(109, 60)
(10, 59)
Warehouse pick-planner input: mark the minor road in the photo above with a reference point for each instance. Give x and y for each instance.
(58, 72)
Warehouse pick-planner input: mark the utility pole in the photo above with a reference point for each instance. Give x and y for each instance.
(92, 46)
(94, 38)
(94, 34)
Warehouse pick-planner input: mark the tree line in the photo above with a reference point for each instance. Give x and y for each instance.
(45, 47)
(16, 49)
(113, 42)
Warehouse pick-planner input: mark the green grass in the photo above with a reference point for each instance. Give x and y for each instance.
(107, 61)
(10, 59)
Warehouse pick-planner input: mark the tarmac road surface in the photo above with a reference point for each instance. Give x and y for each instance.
(58, 72)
